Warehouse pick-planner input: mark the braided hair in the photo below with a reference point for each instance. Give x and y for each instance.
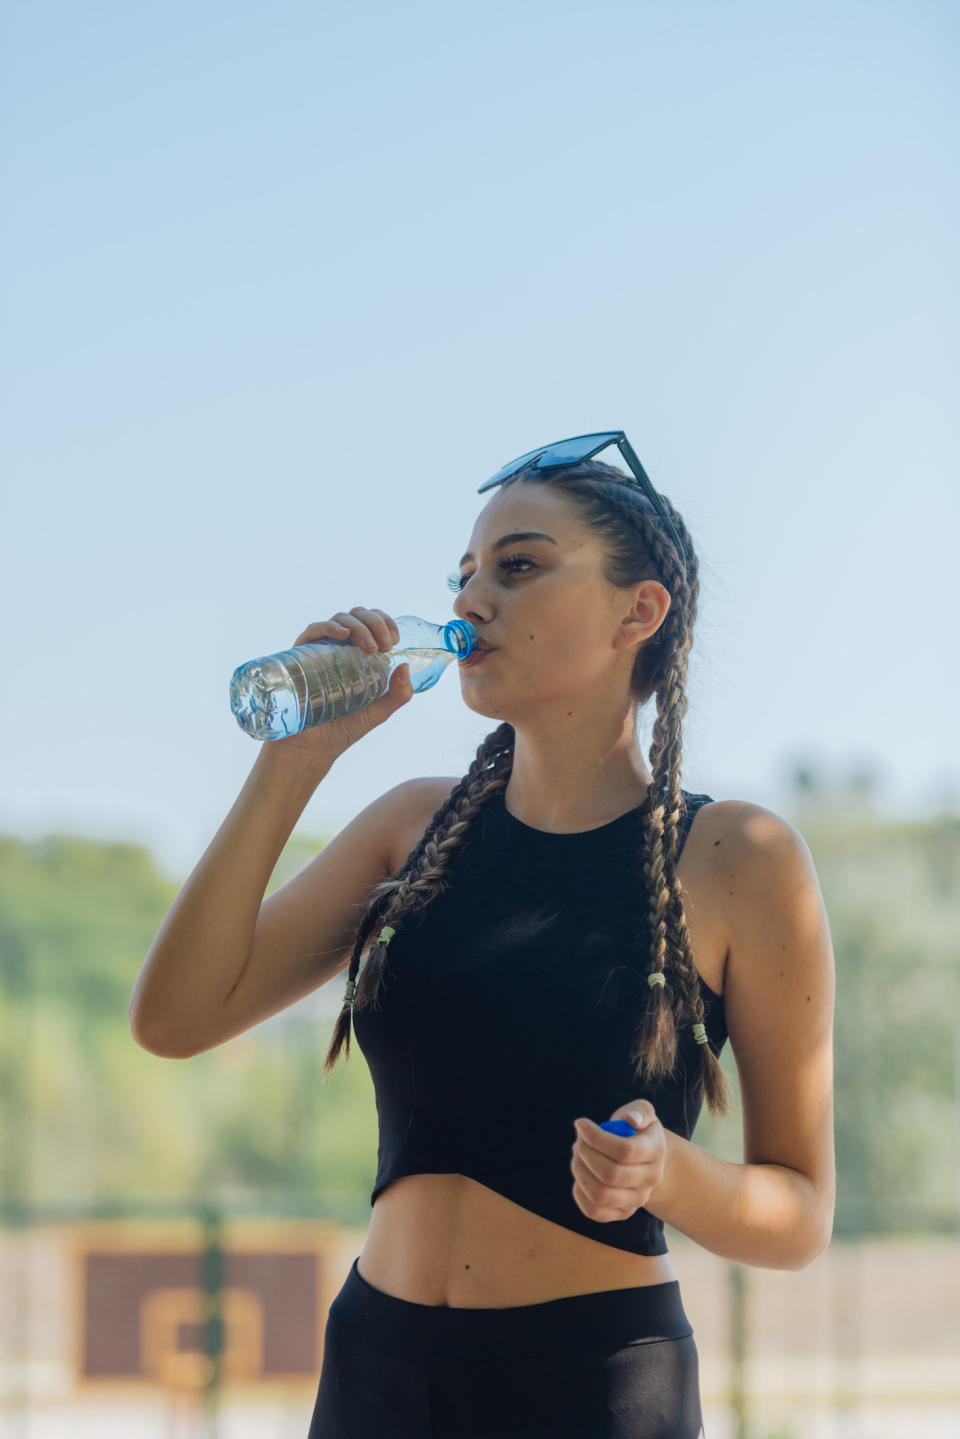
(636, 547)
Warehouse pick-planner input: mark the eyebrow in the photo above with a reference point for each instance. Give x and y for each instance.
(509, 540)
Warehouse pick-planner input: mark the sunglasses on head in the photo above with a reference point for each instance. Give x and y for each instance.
(584, 447)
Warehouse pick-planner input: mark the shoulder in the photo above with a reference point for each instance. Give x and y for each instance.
(765, 882)
(433, 790)
(750, 837)
(420, 799)
(746, 830)
(753, 856)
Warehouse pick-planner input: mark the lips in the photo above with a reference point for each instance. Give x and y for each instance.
(477, 655)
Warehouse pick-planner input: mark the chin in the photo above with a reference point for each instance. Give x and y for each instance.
(474, 699)
(479, 708)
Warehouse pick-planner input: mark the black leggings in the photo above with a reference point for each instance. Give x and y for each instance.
(618, 1364)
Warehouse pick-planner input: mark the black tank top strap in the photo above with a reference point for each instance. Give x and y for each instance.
(693, 803)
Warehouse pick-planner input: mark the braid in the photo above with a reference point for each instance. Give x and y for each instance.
(656, 1045)
(636, 542)
(421, 877)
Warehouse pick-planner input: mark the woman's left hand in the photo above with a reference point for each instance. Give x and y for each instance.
(615, 1174)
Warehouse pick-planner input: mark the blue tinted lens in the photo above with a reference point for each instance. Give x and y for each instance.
(515, 465)
(564, 452)
(568, 452)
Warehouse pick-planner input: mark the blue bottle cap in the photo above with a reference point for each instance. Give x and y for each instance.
(618, 1126)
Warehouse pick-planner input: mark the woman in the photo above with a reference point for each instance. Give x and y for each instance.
(561, 946)
(561, 939)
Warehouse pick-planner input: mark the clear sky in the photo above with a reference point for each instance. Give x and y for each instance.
(284, 284)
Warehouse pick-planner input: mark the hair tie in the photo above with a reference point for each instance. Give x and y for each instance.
(699, 1030)
(384, 937)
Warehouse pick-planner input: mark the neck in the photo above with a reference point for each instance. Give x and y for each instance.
(566, 783)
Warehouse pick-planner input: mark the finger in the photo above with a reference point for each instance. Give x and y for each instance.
(401, 685)
(612, 1176)
(321, 630)
(620, 1148)
(374, 621)
(602, 1148)
(611, 1173)
(345, 624)
(608, 1201)
(393, 632)
(602, 1213)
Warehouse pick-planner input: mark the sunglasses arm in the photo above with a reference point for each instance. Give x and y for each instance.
(630, 455)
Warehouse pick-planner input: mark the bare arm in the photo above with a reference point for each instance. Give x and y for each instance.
(776, 1209)
(206, 942)
(766, 1215)
(203, 943)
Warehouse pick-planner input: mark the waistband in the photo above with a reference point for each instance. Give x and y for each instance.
(425, 1333)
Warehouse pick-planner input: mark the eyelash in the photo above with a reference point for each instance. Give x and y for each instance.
(455, 581)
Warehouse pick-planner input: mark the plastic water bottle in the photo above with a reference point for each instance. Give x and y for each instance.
(282, 694)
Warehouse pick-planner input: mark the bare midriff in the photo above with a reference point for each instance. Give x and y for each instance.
(446, 1239)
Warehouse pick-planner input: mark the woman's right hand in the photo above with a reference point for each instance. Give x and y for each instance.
(370, 630)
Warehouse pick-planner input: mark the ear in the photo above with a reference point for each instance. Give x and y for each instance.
(649, 607)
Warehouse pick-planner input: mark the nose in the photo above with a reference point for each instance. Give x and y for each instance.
(462, 612)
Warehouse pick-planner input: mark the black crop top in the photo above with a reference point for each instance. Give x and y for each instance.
(509, 1008)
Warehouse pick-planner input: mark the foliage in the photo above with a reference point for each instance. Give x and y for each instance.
(87, 1114)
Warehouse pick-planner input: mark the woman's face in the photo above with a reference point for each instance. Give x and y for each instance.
(558, 628)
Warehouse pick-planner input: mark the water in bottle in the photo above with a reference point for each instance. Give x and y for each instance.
(282, 694)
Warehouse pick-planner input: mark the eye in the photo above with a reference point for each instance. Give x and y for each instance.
(455, 582)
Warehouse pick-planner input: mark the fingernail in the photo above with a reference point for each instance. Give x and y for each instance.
(637, 1117)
